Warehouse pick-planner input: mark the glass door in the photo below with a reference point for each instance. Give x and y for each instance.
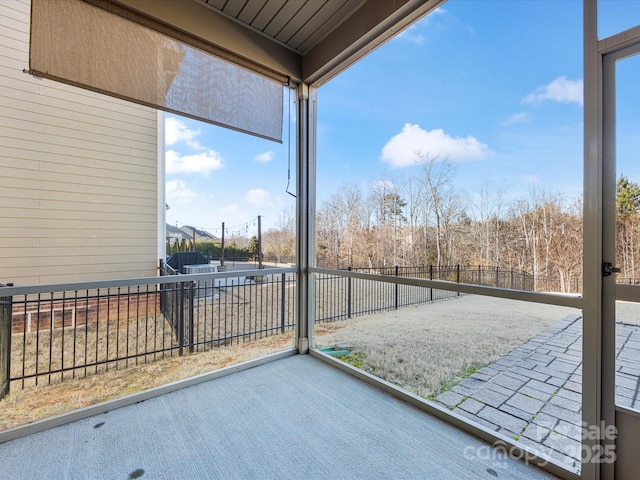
(627, 232)
(621, 258)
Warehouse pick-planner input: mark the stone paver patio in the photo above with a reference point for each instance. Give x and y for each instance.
(533, 395)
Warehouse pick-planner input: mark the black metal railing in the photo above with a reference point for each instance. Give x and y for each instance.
(5, 344)
(64, 334)
(340, 297)
(544, 283)
(57, 334)
(470, 274)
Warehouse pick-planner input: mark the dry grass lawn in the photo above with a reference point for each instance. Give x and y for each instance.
(42, 401)
(427, 348)
(35, 403)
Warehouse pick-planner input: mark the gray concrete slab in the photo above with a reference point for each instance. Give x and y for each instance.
(294, 418)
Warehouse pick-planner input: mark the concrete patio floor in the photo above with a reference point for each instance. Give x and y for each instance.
(298, 417)
(533, 394)
(291, 418)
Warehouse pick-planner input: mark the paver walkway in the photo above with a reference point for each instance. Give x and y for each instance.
(534, 394)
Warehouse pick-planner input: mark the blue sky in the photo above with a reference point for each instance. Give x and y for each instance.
(474, 83)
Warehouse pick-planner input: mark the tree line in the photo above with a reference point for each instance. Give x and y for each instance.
(423, 219)
(237, 247)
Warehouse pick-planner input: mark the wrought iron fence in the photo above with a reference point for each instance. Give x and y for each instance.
(545, 283)
(63, 333)
(60, 334)
(220, 309)
(470, 274)
(5, 344)
(340, 297)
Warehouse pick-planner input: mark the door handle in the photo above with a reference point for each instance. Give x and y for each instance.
(608, 269)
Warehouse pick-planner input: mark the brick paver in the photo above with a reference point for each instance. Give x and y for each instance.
(533, 393)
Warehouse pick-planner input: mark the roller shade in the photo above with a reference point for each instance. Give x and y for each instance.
(78, 43)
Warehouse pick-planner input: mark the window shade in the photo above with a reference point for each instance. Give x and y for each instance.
(78, 43)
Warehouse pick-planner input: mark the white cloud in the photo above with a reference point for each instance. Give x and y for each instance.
(522, 117)
(412, 35)
(175, 130)
(560, 90)
(179, 191)
(204, 163)
(265, 157)
(402, 149)
(258, 196)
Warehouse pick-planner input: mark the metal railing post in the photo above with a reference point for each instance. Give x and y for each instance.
(6, 310)
(396, 290)
(181, 320)
(191, 316)
(282, 301)
(349, 295)
(497, 277)
(458, 276)
(431, 278)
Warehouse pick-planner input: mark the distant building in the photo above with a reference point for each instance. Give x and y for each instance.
(174, 234)
(201, 235)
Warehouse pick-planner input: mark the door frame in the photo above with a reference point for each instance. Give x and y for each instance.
(600, 290)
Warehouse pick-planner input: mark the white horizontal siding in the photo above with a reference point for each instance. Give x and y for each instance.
(78, 174)
(14, 196)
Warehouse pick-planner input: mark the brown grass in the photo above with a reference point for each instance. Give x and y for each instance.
(426, 348)
(35, 403)
(54, 349)
(42, 401)
(237, 315)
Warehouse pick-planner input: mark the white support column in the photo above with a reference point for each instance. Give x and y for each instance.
(306, 213)
(162, 200)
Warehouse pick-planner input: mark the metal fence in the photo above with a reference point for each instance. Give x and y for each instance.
(554, 284)
(339, 297)
(217, 310)
(65, 334)
(95, 327)
(59, 335)
(5, 344)
(470, 274)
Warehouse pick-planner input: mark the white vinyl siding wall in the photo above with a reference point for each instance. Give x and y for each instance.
(78, 174)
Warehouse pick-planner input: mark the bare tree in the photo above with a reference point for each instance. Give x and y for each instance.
(539, 233)
(340, 223)
(389, 219)
(414, 192)
(440, 199)
(565, 246)
(627, 227)
(486, 210)
(279, 242)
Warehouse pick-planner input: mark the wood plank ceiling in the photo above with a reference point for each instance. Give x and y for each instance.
(296, 24)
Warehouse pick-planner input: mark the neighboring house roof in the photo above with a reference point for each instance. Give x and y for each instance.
(174, 233)
(200, 234)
